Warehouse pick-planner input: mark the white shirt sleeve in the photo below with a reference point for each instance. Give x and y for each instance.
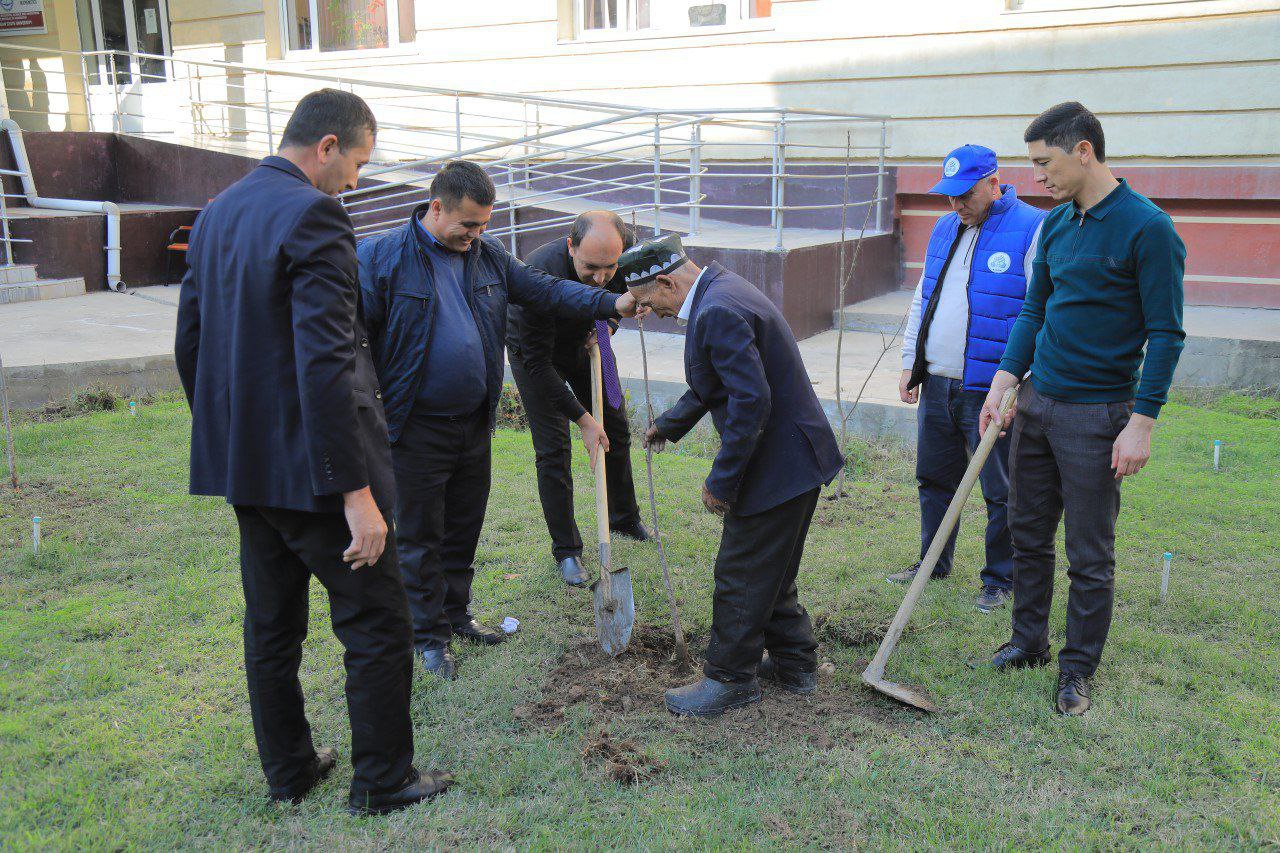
(1029, 260)
(913, 326)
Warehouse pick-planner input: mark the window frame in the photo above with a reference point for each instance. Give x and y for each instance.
(627, 32)
(394, 47)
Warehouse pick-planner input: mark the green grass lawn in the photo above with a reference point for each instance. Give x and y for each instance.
(124, 721)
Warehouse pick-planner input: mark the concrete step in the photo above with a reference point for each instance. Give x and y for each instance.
(881, 314)
(18, 274)
(39, 290)
(1235, 348)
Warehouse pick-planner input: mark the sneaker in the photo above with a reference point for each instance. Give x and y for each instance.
(908, 575)
(991, 598)
(904, 576)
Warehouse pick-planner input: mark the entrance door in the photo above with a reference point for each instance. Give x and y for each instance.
(133, 27)
(117, 81)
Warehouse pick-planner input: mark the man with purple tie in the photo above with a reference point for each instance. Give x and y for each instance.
(435, 297)
(549, 359)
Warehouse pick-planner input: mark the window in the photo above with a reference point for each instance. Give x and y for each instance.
(623, 16)
(331, 25)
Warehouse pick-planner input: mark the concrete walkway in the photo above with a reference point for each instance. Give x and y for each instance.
(55, 347)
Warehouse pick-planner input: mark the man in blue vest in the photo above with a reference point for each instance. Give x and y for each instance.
(975, 277)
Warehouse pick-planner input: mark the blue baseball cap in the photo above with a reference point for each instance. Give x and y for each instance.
(963, 168)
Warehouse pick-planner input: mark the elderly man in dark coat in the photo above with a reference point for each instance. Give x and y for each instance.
(777, 449)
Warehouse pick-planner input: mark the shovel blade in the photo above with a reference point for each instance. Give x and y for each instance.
(907, 694)
(615, 613)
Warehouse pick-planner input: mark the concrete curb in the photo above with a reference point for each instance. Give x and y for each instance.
(32, 386)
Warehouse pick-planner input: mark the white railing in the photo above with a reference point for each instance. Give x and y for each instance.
(682, 170)
(6, 231)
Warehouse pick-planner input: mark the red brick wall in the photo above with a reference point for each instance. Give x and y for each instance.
(1229, 217)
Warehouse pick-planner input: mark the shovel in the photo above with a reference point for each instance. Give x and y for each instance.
(682, 648)
(873, 675)
(615, 604)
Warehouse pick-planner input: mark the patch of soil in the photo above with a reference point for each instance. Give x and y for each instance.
(52, 496)
(631, 686)
(623, 761)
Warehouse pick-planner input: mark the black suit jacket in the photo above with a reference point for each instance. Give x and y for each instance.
(550, 347)
(743, 366)
(272, 352)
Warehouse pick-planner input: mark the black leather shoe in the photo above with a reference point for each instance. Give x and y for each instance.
(710, 698)
(418, 787)
(321, 766)
(790, 680)
(1073, 694)
(473, 632)
(1010, 656)
(572, 571)
(638, 532)
(440, 662)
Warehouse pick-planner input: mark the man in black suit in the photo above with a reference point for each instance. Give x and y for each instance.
(287, 425)
(550, 363)
(777, 449)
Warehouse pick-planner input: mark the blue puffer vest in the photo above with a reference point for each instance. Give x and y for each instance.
(997, 283)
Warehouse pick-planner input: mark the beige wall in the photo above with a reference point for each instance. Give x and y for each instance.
(46, 91)
(1193, 81)
(1185, 81)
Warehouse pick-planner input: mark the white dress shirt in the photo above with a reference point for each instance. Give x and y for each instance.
(682, 318)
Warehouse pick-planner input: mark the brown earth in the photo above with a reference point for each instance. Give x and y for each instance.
(628, 690)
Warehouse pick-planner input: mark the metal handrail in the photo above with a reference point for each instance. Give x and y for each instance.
(661, 151)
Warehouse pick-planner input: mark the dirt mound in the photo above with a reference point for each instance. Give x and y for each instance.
(623, 761)
(630, 688)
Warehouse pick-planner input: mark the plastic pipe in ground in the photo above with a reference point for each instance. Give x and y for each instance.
(107, 208)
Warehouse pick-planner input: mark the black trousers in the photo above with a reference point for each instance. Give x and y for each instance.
(553, 458)
(279, 552)
(946, 436)
(443, 471)
(1060, 462)
(756, 605)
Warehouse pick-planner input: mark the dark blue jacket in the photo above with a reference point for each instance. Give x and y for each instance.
(996, 288)
(743, 366)
(272, 352)
(399, 290)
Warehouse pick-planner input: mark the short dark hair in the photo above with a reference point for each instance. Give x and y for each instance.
(583, 224)
(329, 111)
(459, 179)
(1065, 125)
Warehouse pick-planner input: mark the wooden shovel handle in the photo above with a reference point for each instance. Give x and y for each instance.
(602, 496)
(875, 670)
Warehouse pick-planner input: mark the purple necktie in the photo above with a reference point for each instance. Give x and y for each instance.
(608, 367)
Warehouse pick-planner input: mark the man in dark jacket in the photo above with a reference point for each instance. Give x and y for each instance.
(286, 425)
(435, 294)
(777, 449)
(552, 368)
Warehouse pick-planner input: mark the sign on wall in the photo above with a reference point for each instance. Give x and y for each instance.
(22, 17)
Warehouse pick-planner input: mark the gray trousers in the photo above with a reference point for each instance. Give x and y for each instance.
(1060, 464)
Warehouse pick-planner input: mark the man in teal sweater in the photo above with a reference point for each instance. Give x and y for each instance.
(1106, 282)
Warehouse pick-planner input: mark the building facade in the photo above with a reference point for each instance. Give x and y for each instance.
(1188, 90)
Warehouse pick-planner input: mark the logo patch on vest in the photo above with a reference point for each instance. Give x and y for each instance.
(999, 262)
(950, 167)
